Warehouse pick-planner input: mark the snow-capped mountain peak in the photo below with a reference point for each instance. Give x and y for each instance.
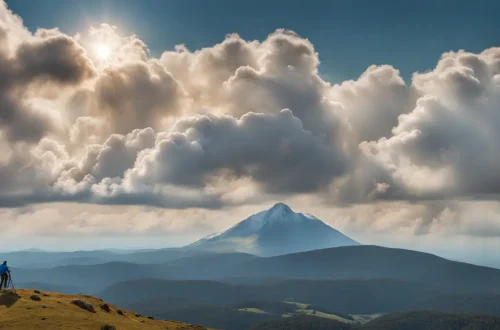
(279, 211)
(277, 230)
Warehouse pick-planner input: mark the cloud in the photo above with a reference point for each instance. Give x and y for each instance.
(121, 49)
(267, 148)
(179, 168)
(203, 72)
(372, 103)
(137, 95)
(52, 57)
(26, 62)
(447, 146)
(186, 129)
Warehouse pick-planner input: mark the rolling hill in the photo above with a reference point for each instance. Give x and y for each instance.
(186, 300)
(372, 262)
(240, 316)
(304, 322)
(433, 321)
(92, 278)
(42, 259)
(89, 278)
(395, 321)
(353, 296)
(212, 266)
(349, 262)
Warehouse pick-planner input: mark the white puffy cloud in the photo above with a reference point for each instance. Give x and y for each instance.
(204, 71)
(268, 148)
(373, 103)
(118, 49)
(447, 146)
(179, 168)
(237, 123)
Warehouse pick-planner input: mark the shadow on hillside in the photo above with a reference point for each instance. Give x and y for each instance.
(8, 299)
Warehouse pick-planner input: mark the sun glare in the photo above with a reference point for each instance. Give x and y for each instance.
(103, 51)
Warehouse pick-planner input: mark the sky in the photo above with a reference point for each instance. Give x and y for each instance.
(349, 35)
(140, 124)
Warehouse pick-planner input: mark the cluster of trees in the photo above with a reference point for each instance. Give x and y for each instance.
(304, 322)
(394, 321)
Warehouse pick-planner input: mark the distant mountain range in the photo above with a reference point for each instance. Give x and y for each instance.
(220, 290)
(251, 272)
(348, 262)
(276, 231)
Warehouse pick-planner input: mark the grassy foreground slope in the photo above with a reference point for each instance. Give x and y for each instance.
(56, 311)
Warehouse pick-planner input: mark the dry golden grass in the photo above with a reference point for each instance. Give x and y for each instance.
(55, 311)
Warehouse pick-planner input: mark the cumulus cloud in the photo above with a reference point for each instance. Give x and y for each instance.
(121, 49)
(179, 168)
(254, 117)
(268, 148)
(447, 146)
(26, 61)
(372, 103)
(137, 95)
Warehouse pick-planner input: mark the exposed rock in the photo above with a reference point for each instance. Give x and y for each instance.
(36, 291)
(84, 305)
(119, 312)
(35, 297)
(107, 327)
(151, 318)
(105, 307)
(138, 315)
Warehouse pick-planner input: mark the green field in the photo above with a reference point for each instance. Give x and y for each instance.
(363, 318)
(302, 308)
(253, 310)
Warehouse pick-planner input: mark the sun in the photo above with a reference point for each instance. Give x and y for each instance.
(102, 51)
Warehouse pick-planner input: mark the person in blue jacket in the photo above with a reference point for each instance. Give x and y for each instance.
(4, 275)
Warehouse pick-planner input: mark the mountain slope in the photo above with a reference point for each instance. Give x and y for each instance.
(90, 278)
(352, 296)
(432, 321)
(371, 262)
(304, 322)
(40, 259)
(188, 300)
(350, 262)
(93, 278)
(214, 266)
(276, 231)
(55, 311)
(394, 321)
